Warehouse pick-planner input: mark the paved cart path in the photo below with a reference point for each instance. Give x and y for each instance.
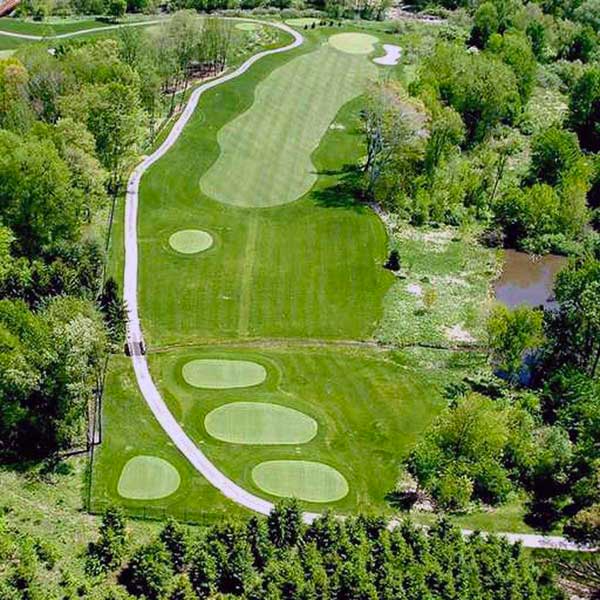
(134, 333)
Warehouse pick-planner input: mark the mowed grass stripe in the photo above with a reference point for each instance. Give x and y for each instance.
(272, 143)
(304, 283)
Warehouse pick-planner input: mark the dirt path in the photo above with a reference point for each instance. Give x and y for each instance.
(134, 332)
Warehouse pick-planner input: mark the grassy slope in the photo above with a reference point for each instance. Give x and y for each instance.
(457, 268)
(272, 142)
(308, 269)
(130, 430)
(369, 411)
(48, 28)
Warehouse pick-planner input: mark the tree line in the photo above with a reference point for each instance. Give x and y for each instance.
(457, 145)
(72, 123)
(281, 558)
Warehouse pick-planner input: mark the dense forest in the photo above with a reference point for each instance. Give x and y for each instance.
(72, 123)
(280, 558)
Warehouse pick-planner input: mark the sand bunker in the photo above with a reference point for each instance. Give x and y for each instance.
(353, 43)
(391, 57)
(148, 478)
(260, 423)
(221, 374)
(305, 480)
(190, 241)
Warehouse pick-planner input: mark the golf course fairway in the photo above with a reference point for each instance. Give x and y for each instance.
(272, 142)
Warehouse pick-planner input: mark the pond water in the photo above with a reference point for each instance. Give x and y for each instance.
(528, 281)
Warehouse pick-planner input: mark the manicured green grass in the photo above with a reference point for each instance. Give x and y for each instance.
(247, 26)
(301, 22)
(219, 374)
(10, 44)
(148, 478)
(45, 28)
(310, 269)
(190, 241)
(369, 409)
(131, 430)
(353, 43)
(259, 423)
(305, 480)
(272, 142)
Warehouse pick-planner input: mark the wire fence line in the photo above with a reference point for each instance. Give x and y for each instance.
(158, 513)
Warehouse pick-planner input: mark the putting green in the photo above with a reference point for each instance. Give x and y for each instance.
(247, 26)
(259, 423)
(353, 43)
(272, 142)
(148, 478)
(220, 374)
(302, 21)
(302, 479)
(190, 241)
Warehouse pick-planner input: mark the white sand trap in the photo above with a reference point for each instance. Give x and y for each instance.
(391, 56)
(353, 43)
(190, 241)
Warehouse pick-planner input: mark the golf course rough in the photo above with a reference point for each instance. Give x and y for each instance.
(353, 43)
(271, 143)
(190, 241)
(148, 478)
(222, 374)
(260, 423)
(302, 479)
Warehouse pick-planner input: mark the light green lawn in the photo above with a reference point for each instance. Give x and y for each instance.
(272, 142)
(302, 479)
(45, 28)
(369, 410)
(148, 478)
(309, 269)
(259, 423)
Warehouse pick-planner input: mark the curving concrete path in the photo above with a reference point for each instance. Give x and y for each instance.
(134, 331)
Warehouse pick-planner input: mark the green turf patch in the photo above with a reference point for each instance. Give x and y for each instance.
(353, 43)
(190, 241)
(270, 145)
(148, 478)
(302, 21)
(221, 374)
(302, 479)
(260, 423)
(247, 26)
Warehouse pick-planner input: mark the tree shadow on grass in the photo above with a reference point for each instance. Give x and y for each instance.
(345, 191)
